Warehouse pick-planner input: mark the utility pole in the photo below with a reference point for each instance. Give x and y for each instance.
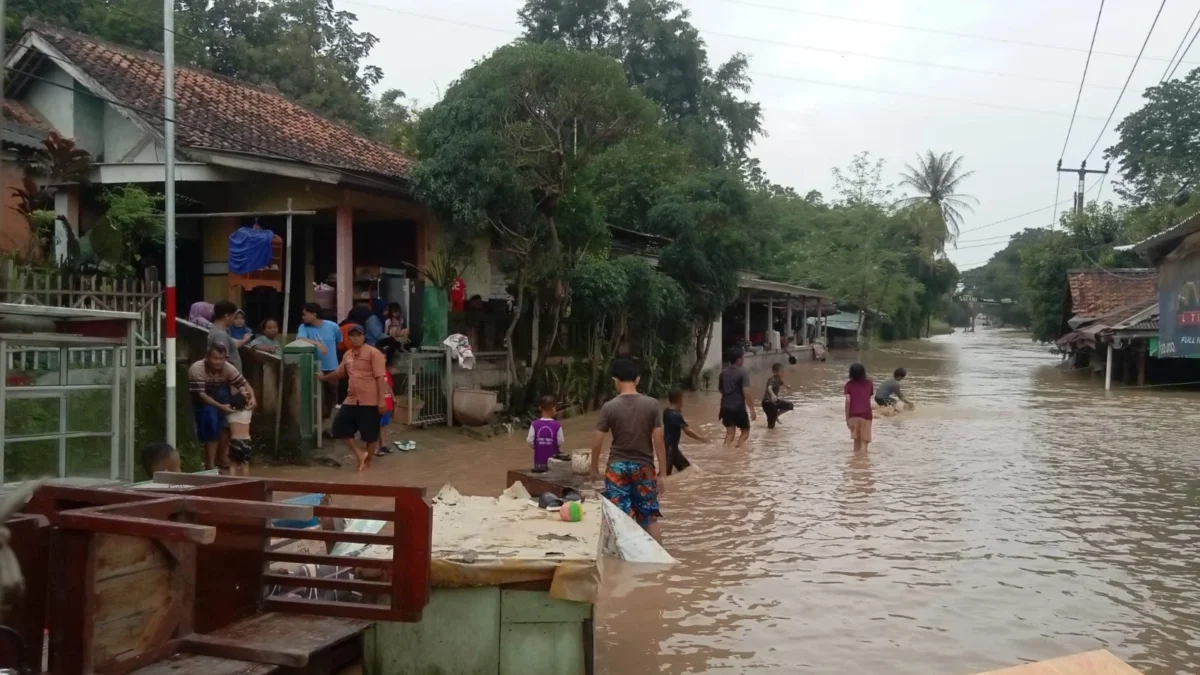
(1082, 171)
(169, 161)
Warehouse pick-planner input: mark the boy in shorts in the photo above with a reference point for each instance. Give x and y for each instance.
(366, 397)
(674, 427)
(239, 434)
(737, 405)
(634, 420)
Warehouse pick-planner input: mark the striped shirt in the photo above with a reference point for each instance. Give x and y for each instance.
(203, 380)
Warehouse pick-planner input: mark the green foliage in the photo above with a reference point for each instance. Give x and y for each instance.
(1044, 268)
(397, 121)
(1158, 151)
(664, 56)
(305, 48)
(937, 179)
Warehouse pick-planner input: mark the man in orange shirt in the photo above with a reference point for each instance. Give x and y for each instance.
(366, 397)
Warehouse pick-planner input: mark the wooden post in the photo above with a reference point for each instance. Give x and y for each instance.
(747, 320)
(344, 256)
(788, 330)
(770, 320)
(1108, 368)
(1141, 364)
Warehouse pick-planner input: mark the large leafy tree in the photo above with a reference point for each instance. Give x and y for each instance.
(663, 55)
(502, 153)
(307, 49)
(1158, 150)
(937, 179)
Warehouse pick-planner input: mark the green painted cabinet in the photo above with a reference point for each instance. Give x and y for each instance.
(485, 631)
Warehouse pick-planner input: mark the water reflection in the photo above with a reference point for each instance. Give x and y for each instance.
(1020, 513)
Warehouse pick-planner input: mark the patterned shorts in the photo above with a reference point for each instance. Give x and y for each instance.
(239, 451)
(633, 487)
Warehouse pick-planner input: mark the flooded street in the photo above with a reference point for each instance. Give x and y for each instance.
(1019, 514)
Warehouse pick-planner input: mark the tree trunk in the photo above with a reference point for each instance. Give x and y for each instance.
(508, 334)
(532, 391)
(703, 344)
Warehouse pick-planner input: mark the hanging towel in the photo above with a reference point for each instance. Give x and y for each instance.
(249, 250)
(460, 349)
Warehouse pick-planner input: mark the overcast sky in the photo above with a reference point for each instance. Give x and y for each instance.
(823, 93)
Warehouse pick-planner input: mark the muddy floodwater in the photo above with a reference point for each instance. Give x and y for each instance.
(1020, 513)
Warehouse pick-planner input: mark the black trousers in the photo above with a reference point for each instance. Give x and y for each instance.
(675, 460)
(773, 409)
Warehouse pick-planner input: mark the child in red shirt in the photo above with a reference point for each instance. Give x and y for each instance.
(859, 391)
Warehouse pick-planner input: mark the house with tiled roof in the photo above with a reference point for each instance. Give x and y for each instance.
(240, 148)
(1114, 321)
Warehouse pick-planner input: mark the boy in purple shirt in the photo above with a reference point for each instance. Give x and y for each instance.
(545, 435)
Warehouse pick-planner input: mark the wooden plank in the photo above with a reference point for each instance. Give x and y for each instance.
(210, 506)
(358, 490)
(321, 535)
(71, 602)
(30, 542)
(302, 634)
(1099, 662)
(458, 634)
(173, 478)
(138, 527)
(535, 607)
(541, 649)
(234, 648)
(353, 585)
(343, 512)
(412, 551)
(196, 664)
(118, 555)
(335, 560)
(135, 594)
(330, 608)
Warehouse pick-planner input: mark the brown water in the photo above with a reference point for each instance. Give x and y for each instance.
(1020, 513)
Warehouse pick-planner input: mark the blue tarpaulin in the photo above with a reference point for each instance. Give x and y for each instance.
(249, 250)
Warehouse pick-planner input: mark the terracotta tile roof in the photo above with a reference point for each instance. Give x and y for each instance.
(1095, 293)
(218, 113)
(16, 112)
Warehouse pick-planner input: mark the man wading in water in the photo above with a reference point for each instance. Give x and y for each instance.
(635, 422)
(737, 403)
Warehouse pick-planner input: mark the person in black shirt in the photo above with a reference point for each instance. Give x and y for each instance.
(674, 426)
(773, 406)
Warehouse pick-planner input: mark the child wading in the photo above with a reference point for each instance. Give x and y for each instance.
(858, 393)
(889, 392)
(772, 405)
(637, 444)
(545, 435)
(160, 457)
(737, 404)
(674, 426)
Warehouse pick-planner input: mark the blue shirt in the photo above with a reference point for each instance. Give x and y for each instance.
(329, 335)
(373, 329)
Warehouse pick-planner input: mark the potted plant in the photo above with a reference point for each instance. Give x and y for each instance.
(404, 404)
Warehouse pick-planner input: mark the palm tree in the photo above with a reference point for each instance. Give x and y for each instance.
(937, 178)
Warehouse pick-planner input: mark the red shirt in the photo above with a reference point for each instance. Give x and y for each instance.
(860, 392)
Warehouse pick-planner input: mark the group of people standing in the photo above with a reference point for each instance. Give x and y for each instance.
(352, 352)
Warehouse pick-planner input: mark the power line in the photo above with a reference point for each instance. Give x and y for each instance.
(894, 59)
(935, 31)
(1011, 218)
(749, 38)
(1169, 68)
(1127, 79)
(892, 92)
(1185, 52)
(1082, 80)
(1057, 188)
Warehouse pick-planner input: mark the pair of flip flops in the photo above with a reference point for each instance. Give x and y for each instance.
(402, 446)
(549, 500)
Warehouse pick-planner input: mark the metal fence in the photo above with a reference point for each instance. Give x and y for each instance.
(426, 387)
(27, 286)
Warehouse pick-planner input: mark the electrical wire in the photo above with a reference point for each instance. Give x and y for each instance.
(1170, 68)
(1185, 52)
(1082, 80)
(1127, 79)
(1057, 188)
(1012, 218)
(935, 31)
